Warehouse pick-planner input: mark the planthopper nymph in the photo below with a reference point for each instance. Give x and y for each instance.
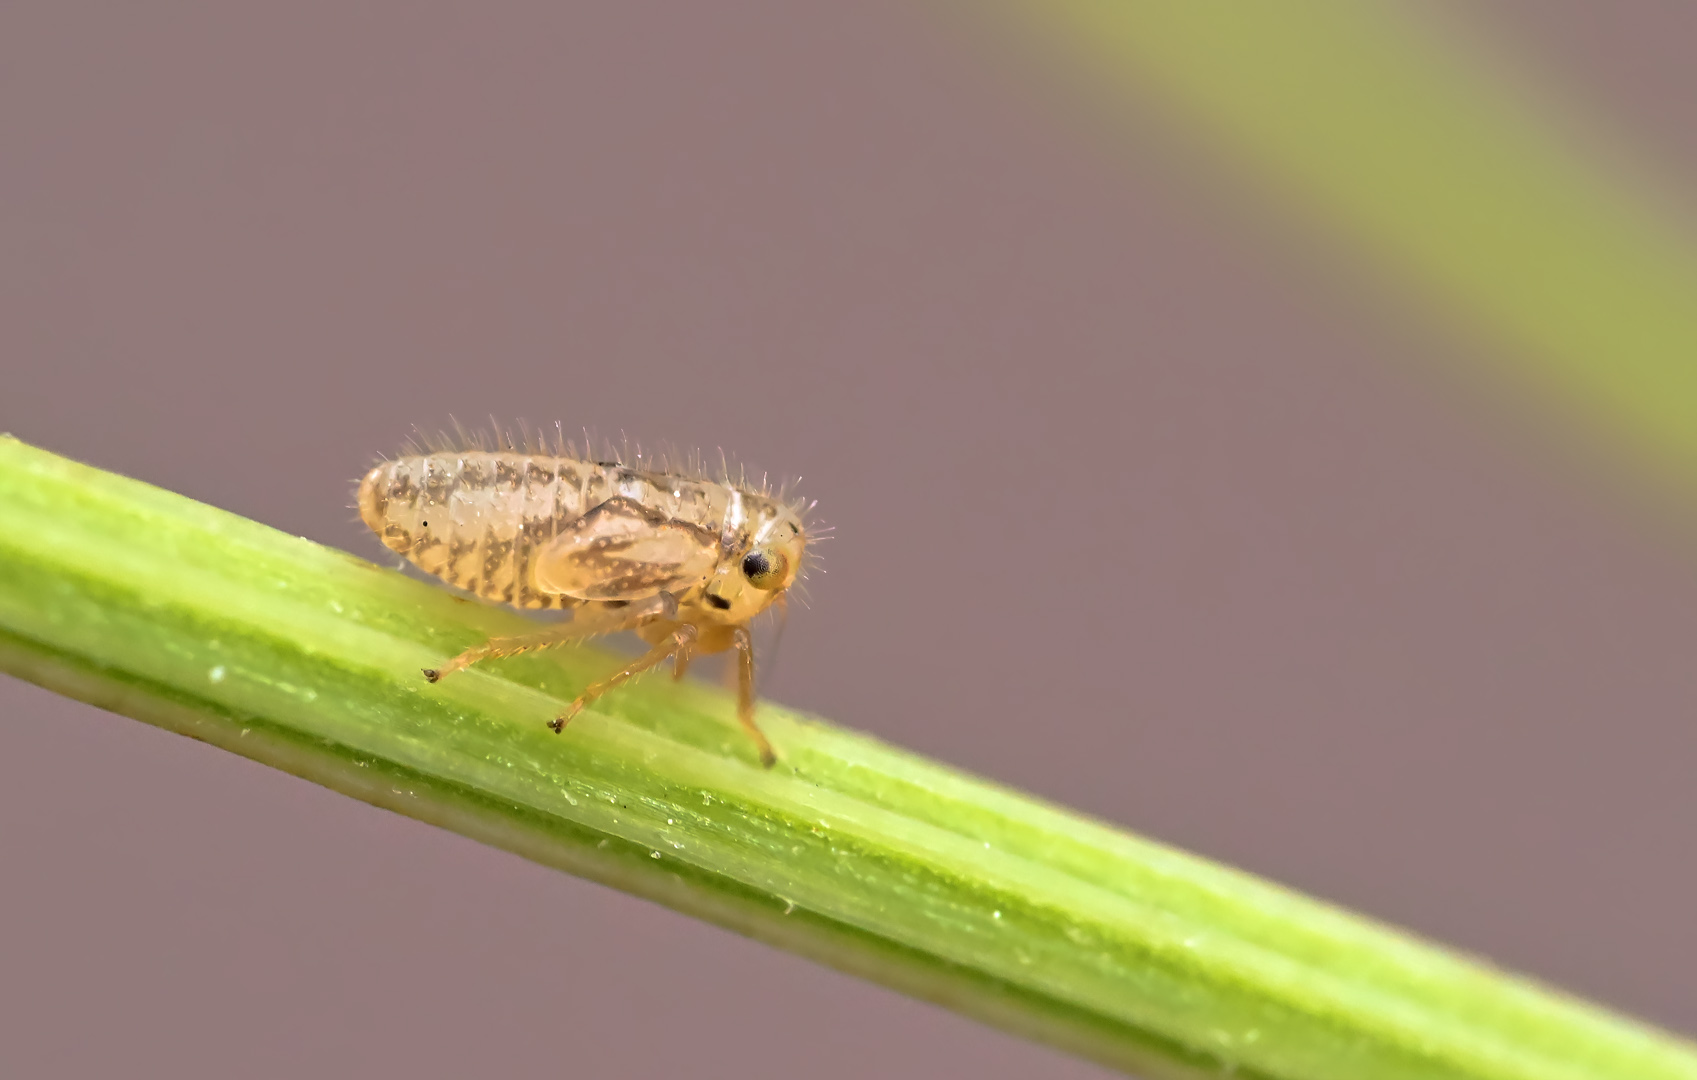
(655, 545)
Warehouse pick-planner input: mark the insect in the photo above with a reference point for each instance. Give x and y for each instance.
(684, 559)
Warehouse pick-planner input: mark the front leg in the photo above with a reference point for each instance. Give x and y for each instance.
(745, 695)
(582, 627)
(678, 641)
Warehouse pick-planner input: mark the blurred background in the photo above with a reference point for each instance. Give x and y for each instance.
(1176, 476)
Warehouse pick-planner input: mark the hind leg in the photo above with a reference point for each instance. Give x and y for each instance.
(582, 627)
(678, 641)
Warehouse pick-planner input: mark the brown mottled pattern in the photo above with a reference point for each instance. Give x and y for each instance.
(477, 519)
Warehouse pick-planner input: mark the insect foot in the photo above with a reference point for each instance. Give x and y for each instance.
(559, 722)
(431, 674)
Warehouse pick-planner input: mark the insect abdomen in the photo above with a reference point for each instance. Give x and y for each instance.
(477, 519)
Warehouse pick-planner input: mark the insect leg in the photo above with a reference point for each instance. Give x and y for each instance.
(581, 628)
(679, 641)
(745, 694)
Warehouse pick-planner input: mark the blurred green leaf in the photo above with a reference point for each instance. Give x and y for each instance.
(1451, 178)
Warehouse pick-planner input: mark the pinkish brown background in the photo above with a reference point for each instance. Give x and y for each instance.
(1338, 624)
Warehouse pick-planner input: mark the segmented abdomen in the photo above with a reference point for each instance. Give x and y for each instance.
(477, 519)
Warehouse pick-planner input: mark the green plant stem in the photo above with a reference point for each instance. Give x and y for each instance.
(851, 852)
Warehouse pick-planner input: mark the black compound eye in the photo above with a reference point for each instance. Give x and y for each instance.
(763, 570)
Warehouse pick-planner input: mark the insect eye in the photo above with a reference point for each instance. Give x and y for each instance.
(763, 570)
